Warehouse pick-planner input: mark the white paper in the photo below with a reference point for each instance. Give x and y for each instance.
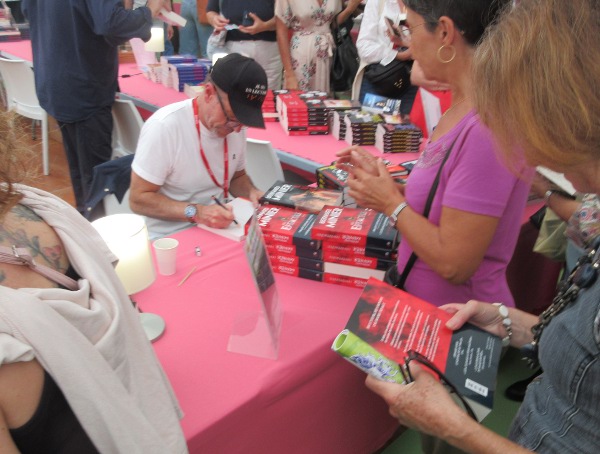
(242, 210)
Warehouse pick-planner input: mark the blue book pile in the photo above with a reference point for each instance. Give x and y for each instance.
(189, 73)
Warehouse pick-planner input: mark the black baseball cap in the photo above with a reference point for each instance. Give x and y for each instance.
(245, 83)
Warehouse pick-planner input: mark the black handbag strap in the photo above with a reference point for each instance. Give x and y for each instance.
(413, 257)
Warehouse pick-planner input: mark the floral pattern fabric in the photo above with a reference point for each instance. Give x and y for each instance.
(584, 225)
(311, 43)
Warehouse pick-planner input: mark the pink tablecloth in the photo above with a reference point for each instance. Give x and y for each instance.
(307, 401)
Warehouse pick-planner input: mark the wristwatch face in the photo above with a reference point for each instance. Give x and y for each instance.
(190, 212)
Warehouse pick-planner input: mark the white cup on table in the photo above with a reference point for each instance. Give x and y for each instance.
(165, 250)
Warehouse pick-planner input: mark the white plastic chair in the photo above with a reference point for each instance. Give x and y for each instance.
(21, 98)
(127, 124)
(112, 205)
(262, 164)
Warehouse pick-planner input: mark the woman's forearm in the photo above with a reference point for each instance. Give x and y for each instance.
(283, 42)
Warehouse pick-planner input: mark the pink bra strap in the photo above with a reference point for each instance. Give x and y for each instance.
(21, 256)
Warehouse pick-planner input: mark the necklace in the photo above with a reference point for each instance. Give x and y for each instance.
(582, 276)
(453, 106)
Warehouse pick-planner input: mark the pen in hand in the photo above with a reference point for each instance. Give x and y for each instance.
(218, 202)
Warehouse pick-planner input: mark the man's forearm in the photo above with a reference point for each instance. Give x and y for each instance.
(159, 206)
(242, 186)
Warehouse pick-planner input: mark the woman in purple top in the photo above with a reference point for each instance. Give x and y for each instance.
(465, 244)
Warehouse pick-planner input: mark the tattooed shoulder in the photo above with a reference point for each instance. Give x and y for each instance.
(25, 213)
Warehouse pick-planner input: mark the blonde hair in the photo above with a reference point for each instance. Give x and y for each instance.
(536, 82)
(16, 160)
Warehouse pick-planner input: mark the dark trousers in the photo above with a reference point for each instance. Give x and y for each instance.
(407, 99)
(87, 143)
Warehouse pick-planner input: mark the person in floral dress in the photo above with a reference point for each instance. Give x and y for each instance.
(306, 54)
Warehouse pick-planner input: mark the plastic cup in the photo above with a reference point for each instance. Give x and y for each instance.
(165, 250)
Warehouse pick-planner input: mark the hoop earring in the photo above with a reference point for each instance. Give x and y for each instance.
(439, 53)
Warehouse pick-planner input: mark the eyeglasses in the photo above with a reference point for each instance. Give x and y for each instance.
(407, 31)
(231, 124)
(416, 356)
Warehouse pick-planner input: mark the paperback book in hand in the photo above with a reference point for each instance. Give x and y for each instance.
(387, 323)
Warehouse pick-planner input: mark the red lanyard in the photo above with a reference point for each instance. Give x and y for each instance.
(225, 185)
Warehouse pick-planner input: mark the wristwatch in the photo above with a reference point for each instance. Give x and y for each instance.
(393, 218)
(190, 213)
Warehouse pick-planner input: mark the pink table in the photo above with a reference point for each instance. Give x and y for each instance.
(303, 154)
(309, 400)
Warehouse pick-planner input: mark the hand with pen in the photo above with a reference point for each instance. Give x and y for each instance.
(218, 216)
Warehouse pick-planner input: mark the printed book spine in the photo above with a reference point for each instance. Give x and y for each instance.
(290, 249)
(357, 260)
(294, 260)
(353, 271)
(340, 248)
(347, 281)
(298, 272)
(355, 226)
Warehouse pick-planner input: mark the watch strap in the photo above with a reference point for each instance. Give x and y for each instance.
(190, 213)
(394, 216)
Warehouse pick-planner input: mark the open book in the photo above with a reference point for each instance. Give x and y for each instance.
(243, 209)
(387, 323)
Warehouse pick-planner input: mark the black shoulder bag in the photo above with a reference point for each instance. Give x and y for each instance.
(391, 275)
(391, 80)
(345, 61)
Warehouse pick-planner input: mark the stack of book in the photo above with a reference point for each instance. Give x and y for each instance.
(360, 127)
(268, 108)
(193, 73)
(398, 138)
(356, 244)
(330, 177)
(287, 234)
(302, 113)
(337, 123)
(300, 197)
(166, 69)
(7, 31)
(153, 72)
(9, 34)
(308, 113)
(24, 30)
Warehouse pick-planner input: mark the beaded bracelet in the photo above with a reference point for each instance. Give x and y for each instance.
(506, 322)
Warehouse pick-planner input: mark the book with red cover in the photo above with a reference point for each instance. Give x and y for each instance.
(294, 260)
(290, 249)
(287, 226)
(392, 322)
(355, 226)
(347, 281)
(296, 271)
(349, 249)
(356, 260)
(300, 197)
